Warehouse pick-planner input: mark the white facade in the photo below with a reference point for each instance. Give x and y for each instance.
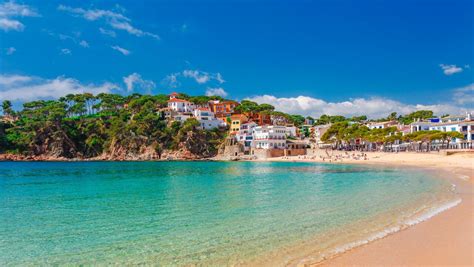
(245, 134)
(457, 118)
(319, 131)
(267, 137)
(464, 127)
(381, 125)
(211, 124)
(290, 131)
(181, 117)
(203, 114)
(180, 105)
(206, 119)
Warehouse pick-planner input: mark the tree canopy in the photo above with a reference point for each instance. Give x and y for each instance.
(84, 125)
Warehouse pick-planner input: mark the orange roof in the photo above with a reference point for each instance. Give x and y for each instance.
(239, 117)
(178, 100)
(174, 94)
(204, 109)
(225, 102)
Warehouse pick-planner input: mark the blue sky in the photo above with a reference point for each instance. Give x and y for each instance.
(394, 55)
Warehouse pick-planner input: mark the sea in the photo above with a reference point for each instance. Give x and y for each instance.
(205, 213)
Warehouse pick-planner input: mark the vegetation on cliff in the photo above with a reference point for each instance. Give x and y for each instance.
(108, 125)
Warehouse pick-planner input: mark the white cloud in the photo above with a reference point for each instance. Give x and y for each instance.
(450, 69)
(199, 76)
(216, 92)
(108, 32)
(10, 24)
(126, 26)
(10, 10)
(134, 81)
(113, 19)
(219, 78)
(64, 37)
(12, 80)
(373, 107)
(65, 51)
(202, 77)
(27, 88)
(11, 50)
(84, 43)
(171, 80)
(464, 95)
(121, 50)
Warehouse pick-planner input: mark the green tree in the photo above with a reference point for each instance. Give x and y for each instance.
(7, 108)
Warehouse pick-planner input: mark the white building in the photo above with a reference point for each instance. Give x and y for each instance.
(180, 105)
(457, 118)
(319, 131)
(269, 136)
(381, 125)
(245, 134)
(181, 117)
(291, 131)
(206, 119)
(203, 114)
(465, 127)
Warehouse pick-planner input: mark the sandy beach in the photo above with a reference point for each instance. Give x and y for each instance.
(447, 239)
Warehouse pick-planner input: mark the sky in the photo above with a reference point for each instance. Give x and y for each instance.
(303, 57)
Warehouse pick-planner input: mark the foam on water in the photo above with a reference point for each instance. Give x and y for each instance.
(410, 222)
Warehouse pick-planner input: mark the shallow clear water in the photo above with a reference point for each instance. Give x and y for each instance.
(205, 213)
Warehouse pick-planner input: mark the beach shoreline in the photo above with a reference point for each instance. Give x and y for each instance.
(444, 239)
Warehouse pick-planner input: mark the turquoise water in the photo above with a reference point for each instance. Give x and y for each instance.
(204, 213)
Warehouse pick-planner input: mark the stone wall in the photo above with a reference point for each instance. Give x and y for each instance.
(295, 152)
(272, 153)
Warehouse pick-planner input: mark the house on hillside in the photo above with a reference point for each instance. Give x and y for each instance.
(279, 120)
(381, 125)
(181, 117)
(223, 109)
(236, 120)
(173, 95)
(180, 105)
(291, 131)
(456, 118)
(259, 118)
(167, 113)
(206, 119)
(245, 135)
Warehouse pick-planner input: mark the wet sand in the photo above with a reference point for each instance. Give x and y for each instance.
(447, 239)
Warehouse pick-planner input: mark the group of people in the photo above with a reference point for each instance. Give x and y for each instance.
(341, 157)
